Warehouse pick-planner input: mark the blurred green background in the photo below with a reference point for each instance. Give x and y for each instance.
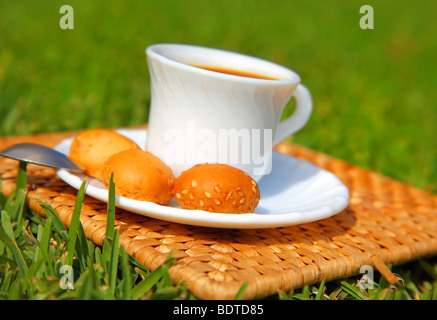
(375, 100)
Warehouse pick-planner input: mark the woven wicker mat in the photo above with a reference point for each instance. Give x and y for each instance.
(387, 222)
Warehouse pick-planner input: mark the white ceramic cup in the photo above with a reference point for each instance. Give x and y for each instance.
(198, 116)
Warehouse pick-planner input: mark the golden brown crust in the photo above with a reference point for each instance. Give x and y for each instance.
(92, 148)
(217, 188)
(140, 175)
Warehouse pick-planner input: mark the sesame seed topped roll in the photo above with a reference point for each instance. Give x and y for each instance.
(216, 188)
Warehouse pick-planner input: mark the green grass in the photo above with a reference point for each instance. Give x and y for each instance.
(375, 103)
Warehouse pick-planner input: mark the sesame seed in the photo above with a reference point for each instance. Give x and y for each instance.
(170, 182)
(229, 195)
(254, 182)
(178, 195)
(217, 189)
(201, 203)
(185, 191)
(217, 202)
(242, 200)
(238, 189)
(194, 183)
(191, 196)
(254, 189)
(208, 195)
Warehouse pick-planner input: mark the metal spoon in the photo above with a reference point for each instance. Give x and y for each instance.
(40, 155)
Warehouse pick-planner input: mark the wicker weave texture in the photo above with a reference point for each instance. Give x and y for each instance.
(385, 222)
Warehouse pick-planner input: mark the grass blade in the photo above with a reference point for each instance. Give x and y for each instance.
(86, 288)
(240, 293)
(7, 225)
(304, 295)
(19, 259)
(126, 293)
(7, 280)
(15, 205)
(58, 225)
(3, 198)
(434, 293)
(113, 263)
(353, 291)
(74, 225)
(6, 240)
(44, 235)
(110, 209)
(321, 290)
(82, 247)
(147, 283)
(110, 222)
(4, 261)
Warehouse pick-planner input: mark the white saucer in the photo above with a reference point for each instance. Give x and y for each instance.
(295, 192)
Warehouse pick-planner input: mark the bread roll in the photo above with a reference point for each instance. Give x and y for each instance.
(92, 148)
(140, 175)
(217, 188)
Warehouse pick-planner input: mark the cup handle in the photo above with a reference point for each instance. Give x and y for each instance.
(300, 116)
